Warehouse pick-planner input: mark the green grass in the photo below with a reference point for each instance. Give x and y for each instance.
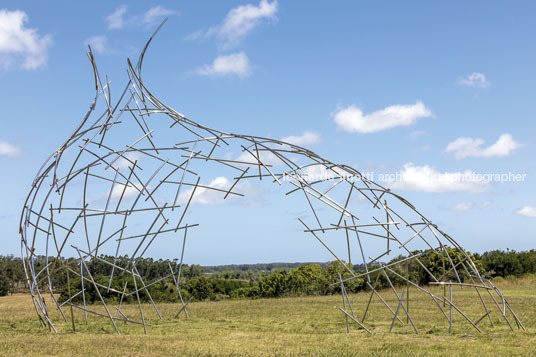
(288, 326)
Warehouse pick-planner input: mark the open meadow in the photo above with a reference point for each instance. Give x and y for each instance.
(285, 326)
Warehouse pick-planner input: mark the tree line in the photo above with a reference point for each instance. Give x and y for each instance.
(248, 281)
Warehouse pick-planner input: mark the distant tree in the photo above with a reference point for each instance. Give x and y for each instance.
(273, 285)
(308, 280)
(509, 263)
(4, 279)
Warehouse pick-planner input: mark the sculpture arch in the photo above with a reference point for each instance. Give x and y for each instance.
(127, 177)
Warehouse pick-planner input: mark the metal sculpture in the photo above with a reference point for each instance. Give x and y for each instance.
(116, 185)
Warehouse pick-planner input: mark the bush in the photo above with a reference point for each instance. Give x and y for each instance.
(4, 284)
(161, 291)
(504, 264)
(252, 292)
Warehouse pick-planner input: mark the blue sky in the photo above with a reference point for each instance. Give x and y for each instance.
(418, 88)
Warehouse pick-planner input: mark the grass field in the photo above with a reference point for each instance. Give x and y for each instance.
(288, 326)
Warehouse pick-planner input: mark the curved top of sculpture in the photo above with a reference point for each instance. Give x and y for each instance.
(120, 187)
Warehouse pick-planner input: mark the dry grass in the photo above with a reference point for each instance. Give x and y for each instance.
(289, 326)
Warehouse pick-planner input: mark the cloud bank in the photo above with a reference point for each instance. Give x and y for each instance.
(234, 64)
(20, 44)
(353, 120)
(476, 80)
(238, 23)
(8, 150)
(469, 147)
(307, 138)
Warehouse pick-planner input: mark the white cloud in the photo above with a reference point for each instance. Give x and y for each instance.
(424, 148)
(428, 179)
(20, 44)
(528, 211)
(239, 22)
(486, 204)
(307, 138)
(463, 206)
(416, 134)
(130, 191)
(156, 15)
(127, 161)
(6, 149)
(116, 19)
(469, 147)
(233, 64)
(98, 43)
(475, 79)
(351, 119)
(208, 196)
(321, 172)
(266, 157)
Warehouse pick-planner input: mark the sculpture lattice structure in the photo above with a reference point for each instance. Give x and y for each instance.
(125, 190)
